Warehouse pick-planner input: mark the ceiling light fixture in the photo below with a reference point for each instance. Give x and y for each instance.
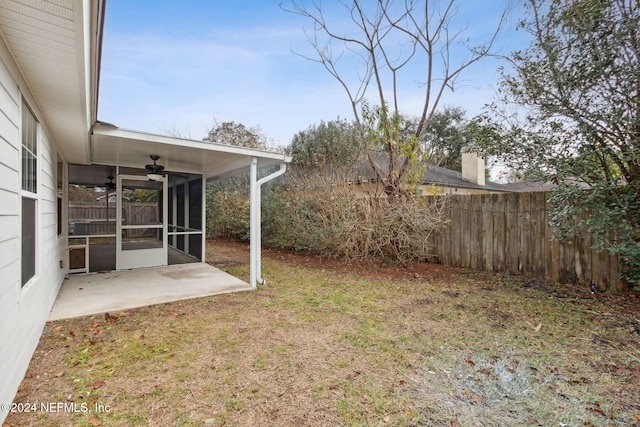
(155, 172)
(110, 185)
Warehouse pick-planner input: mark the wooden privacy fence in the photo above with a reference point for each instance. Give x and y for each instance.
(510, 233)
(92, 218)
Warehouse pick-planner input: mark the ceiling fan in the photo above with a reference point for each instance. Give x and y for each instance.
(110, 185)
(155, 172)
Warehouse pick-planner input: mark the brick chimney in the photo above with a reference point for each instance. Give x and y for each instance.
(473, 168)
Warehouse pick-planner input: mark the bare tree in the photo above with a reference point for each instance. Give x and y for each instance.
(176, 132)
(389, 41)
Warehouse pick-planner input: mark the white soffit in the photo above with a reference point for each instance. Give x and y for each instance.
(115, 146)
(55, 46)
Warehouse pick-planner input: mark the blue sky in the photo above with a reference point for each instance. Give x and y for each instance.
(179, 66)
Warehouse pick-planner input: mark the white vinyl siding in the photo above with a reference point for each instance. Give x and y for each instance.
(24, 309)
(10, 206)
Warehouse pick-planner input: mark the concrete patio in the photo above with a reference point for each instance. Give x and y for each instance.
(88, 294)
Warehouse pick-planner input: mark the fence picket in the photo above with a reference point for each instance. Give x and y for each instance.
(510, 233)
(499, 236)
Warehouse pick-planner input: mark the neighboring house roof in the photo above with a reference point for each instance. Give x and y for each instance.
(529, 186)
(434, 175)
(532, 186)
(112, 198)
(444, 177)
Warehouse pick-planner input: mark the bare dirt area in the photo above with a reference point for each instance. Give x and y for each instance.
(330, 343)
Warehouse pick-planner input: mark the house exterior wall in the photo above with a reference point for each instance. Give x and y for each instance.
(24, 309)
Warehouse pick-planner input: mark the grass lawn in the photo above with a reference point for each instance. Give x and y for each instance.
(347, 344)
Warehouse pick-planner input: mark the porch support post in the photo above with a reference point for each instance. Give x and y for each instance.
(203, 215)
(254, 223)
(255, 226)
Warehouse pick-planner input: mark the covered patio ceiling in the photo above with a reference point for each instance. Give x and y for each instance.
(111, 145)
(56, 47)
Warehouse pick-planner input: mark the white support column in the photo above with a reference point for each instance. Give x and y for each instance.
(254, 222)
(204, 219)
(254, 219)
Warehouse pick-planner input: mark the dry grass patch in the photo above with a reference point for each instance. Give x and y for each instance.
(363, 344)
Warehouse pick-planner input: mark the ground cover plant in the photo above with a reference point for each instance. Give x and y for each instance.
(352, 344)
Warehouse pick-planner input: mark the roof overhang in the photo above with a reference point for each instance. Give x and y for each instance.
(119, 147)
(56, 48)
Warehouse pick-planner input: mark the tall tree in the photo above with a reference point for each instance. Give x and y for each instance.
(389, 42)
(228, 199)
(232, 133)
(329, 145)
(577, 87)
(449, 132)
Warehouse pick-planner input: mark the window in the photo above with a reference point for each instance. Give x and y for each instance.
(29, 149)
(29, 187)
(59, 179)
(28, 239)
(59, 216)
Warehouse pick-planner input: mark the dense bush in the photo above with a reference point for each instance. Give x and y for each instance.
(323, 205)
(329, 215)
(228, 208)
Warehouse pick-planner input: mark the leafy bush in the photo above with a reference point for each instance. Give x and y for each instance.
(332, 216)
(609, 215)
(323, 205)
(568, 114)
(228, 208)
(328, 214)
